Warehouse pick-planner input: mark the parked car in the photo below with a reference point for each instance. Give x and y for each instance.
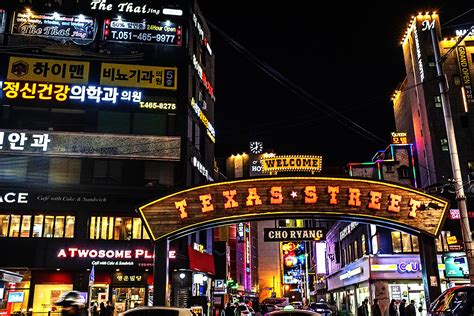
(320, 307)
(297, 304)
(289, 310)
(244, 310)
(456, 301)
(273, 303)
(157, 311)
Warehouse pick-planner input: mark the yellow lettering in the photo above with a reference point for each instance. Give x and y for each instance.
(394, 203)
(414, 206)
(374, 200)
(181, 207)
(333, 192)
(253, 198)
(275, 195)
(354, 197)
(311, 196)
(229, 195)
(206, 201)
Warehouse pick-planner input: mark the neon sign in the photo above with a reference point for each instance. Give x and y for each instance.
(64, 92)
(210, 129)
(203, 77)
(119, 30)
(350, 273)
(126, 7)
(17, 141)
(201, 34)
(408, 267)
(104, 253)
(291, 163)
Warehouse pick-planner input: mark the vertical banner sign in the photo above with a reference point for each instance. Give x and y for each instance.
(293, 256)
(465, 75)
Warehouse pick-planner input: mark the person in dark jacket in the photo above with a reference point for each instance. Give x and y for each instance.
(411, 309)
(103, 309)
(392, 309)
(376, 308)
(229, 311)
(363, 309)
(402, 308)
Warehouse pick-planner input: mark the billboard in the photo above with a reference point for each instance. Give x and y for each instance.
(456, 266)
(294, 259)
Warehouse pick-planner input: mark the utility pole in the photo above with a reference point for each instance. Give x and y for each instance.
(453, 150)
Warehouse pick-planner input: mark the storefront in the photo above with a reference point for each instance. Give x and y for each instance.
(397, 277)
(350, 286)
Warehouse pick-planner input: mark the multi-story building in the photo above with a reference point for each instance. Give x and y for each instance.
(105, 105)
(371, 261)
(418, 107)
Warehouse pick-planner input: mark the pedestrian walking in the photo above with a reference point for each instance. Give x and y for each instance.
(392, 308)
(402, 308)
(110, 309)
(363, 309)
(411, 309)
(102, 309)
(376, 311)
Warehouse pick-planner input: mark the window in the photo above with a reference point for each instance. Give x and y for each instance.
(444, 144)
(4, 221)
(116, 228)
(404, 172)
(59, 227)
(442, 242)
(437, 101)
(13, 170)
(15, 226)
(64, 171)
(37, 226)
(113, 122)
(431, 61)
(403, 242)
(362, 245)
(107, 171)
(356, 250)
(149, 124)
(25, 226)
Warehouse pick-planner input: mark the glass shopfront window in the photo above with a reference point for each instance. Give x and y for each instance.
(46, 294)
(37, 226)
(116, 228)
(403, 242)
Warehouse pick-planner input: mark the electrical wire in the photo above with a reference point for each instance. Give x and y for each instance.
(298, 91)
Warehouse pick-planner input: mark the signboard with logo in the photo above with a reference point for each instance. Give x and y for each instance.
(48, 70)
(294, 234)
(138, 76)
(142, 31)
(293, 256)
(276, 197)
(465, 75)
(128, 278)
(277, 164)
(66, 144)
(399, 138)
(58, 92)
(137, 7)
(53, 25)
(456, 266)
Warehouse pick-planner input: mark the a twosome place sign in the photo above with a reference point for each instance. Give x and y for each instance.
(387, 204)
(294, 234)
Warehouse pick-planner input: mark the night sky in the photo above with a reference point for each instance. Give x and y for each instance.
(348, 57)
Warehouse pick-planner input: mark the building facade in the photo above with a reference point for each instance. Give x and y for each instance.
(105, 105)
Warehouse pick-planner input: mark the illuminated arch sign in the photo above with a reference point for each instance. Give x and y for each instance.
(388, 204)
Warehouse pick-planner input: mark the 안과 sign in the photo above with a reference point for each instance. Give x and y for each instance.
(388, 204)
(294, 234)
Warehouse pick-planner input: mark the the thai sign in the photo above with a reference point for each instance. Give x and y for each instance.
(277, 164)
(294, 234)
(53, 25)
(386, 204)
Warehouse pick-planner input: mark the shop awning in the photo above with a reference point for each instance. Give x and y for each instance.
(199, 261)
